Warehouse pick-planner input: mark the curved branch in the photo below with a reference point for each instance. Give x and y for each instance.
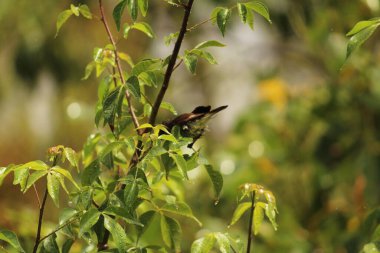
(118, 65)
(171, 65)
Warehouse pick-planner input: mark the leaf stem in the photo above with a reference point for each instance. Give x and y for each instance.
(250, 236)
(59, 228)
(119, 69)
(172, 61)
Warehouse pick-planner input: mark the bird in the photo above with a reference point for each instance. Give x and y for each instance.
(193, 124)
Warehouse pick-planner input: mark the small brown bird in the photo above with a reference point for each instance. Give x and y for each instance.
(194, 124)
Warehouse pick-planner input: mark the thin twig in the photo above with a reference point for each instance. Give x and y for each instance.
(59, 228)
(118, 65)
(249, 239)
(199, 24)
(38, 235)
(38, 197)
(178, 64)
(172, 61)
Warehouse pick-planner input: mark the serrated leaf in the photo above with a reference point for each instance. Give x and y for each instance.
(118, 12)
(242, 9)
(53, 187)
(209, 43)
(258, 217)
(122, 213)
(88, 220)
(143, 6)
(143, 27)
(223, 242)
(204, 244)
(11, 238)
(181, 164)
(90, 173)
(359, 38)
(118, 234)
(85, 11)
(180, 208)
(168, 106)
(66, 174)
(171, 232)
(133, 9)
(62, 18)
(33, 178)
(239, 211)
(259, 8)
(71, 156)
(222, 17)
(133, 86)
(190, 61)
(216, 179)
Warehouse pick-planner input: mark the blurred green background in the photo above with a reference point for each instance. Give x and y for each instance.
(299, 121)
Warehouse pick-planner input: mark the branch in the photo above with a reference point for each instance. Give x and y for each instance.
(38, 235)
(118, 65)
(249, 239)
(172, 61)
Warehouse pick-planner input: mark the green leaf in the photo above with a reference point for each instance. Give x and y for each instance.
(67, 245)
(216, 179)
(223, 242)
(191, 61)
(180, 208)
(85, 11)
(145, 218)
(242, 9)
(181, 164)
(118, 234)
(11, 238)
(143, 6)
(239, 211)
(258, 216)
(204, 244)
(130, 194)
(168, 39)
(205, 55)
(90, 173)
(359, 38)
(373, 247)
(133, 86)
(168, 106)
(66, 174)
(122, 213)
(4, 171)
(71, 156)
(222, 17)
(113, 146)
(146, 65)
(50, 245)
(118, 12)
(88, 70)
(110, 106)
(152, 77)
(209, 43)
(133, 9)
(62, 18)
(259, 8)
(21, 177)
(88, 220)
(74, 9)
(126, 29)
(34, 165)
(362, 25)
(270, 212)
(33, 178)
(143, 27)
(171, 232)
(53, 187)
(250, 19)
(214, 14)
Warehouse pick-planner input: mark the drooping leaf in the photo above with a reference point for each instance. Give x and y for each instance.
(270, 212)
(180, 208)
(118, 12)
(222, 17)
(209, 43)
(258, 216)
(74, 9)
(239, 211)
(90, 173)
(118, 234)
(62, 18)
(223, 242)
(33, 178)
(66, 246)
(66, 174)
(216, 179)
(359, 38)
(171, 232)
(133, 86)
(85, 11)
(110, 106)
(204, 244)
(49, 245)
(259, 8)
(53, 187)
(133, 9)
(242, 9)
(143, 6)
(191, 61)
(88, 220)
(71, 156)
(181, 164)
(168, 106)
(88, 70)
(130, 194)
(4, 171)
(205, 55)
(11, 238)
(144, 27)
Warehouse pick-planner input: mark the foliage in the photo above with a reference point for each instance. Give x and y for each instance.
(122, 182)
